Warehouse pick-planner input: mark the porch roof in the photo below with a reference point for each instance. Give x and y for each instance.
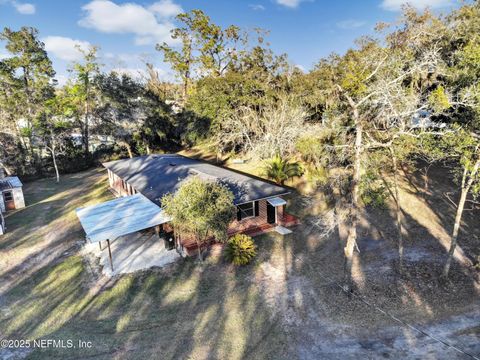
(122, 216)
(276, 201)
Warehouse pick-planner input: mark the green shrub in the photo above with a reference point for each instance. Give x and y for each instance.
(240, 249)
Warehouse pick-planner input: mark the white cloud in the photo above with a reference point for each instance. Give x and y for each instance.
(61, 79)
(127, 57)
(132, 72)
(140, 73)
(256, 7)
(395, 5)
(301, 68)
(166, 8)
(64, 47)
(149, 24)
(350, 24)
(24, 8)
(289, 3)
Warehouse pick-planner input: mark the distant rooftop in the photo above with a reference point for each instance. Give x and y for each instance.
(157, 175)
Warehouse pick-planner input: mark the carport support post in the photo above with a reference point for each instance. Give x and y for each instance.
(110, 254)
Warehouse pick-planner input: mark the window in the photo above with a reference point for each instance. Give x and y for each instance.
(8, 196)
(246, 210)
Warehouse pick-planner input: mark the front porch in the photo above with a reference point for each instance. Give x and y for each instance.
(269, 215)
(286, 220)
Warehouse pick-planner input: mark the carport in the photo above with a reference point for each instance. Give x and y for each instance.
(126, 215)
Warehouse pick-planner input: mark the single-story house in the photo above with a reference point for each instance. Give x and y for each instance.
(141, 182)
(11, 191)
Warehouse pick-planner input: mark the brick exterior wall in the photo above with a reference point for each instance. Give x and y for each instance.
(248, 223)
(121, 187)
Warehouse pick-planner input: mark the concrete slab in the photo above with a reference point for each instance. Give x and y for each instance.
(282, 230)
(134, 252)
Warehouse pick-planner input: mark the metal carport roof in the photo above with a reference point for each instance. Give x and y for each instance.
(118, 217)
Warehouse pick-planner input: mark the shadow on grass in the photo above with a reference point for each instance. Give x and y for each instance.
(183, 311)
(283, 305)
(50, 210)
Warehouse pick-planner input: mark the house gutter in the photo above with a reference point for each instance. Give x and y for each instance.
(264, 198)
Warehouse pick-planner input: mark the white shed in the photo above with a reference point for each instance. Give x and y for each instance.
(11, 191)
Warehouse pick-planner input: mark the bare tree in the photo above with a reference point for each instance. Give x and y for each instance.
(382, 89)
(469, 161)
(266, 132)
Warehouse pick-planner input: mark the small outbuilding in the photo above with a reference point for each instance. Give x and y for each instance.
(11, 191)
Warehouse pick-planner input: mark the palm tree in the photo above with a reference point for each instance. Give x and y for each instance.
(280, 170)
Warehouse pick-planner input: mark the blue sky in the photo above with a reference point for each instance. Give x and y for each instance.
(127, 31)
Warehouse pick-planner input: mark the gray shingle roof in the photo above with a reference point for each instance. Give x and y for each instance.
(157, 175)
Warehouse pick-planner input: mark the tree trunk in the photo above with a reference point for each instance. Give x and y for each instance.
(26, 74)
(398, 209)
(129, 149)
(19, 135)
(354, 215)
(54, 158)
(8, 171)
(147, 147)
(186, 78)
(86, 130)
(29, 111)
(426, 180)
(466, 185)
(185, 90)
(86, 139)
(199, 249)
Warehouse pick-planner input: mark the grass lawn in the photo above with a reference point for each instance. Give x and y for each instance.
(286, 304)
(185, 311)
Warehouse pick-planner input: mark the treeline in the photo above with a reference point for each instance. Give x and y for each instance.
(46, 128)
(410, 91)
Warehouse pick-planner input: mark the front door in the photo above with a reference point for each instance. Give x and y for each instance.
(271, 214)
(8, 200)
